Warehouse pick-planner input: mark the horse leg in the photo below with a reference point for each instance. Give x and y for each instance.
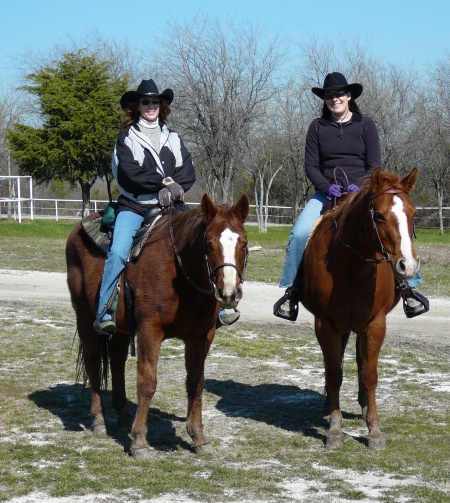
(92, 357)
(148, 349)
(369, 349)
(195, 355)
(333, 346)
(118, 357)
(362, 397)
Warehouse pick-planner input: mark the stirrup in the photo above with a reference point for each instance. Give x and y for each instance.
(290, 315)
(409, 292)
(228, 319)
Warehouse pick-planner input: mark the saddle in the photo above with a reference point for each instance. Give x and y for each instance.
(99, 228)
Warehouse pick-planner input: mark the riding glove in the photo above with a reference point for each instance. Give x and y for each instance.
(352, 188)
(176, 190)
(164, 197)
(335, 190)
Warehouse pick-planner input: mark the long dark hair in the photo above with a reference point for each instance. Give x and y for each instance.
(132, 113)
(352, 106)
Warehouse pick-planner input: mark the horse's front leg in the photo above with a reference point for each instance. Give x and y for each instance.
(369, 346)
(196, 351)
(118, 347)
(148, 349)
(332, 345)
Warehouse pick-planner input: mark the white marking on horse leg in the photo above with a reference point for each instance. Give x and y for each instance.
(406, 246)
(229, 240)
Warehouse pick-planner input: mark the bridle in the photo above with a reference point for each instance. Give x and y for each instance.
(386, 256)
(211, 271)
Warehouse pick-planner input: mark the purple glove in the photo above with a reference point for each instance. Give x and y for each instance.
(352, 188)
(335, 190)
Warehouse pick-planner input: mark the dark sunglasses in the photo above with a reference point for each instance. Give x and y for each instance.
(150, 102)
(337, 94)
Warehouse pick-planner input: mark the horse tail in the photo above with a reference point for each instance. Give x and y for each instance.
(81, 375)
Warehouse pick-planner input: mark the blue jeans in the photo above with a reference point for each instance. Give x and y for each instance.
(125, 227)
(299, 237)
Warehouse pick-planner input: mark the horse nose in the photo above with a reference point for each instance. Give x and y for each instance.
(230, 300)
(404, 269)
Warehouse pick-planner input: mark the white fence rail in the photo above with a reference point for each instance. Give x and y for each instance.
(63, 209)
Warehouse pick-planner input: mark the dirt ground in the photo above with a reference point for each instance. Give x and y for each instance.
(430, 331)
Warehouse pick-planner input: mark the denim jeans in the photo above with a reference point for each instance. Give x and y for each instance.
(299, 237)
(125, 227)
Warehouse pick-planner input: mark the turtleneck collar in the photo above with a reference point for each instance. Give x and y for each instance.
(148, 124)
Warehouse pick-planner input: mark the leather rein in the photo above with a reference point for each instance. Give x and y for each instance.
(211, 271)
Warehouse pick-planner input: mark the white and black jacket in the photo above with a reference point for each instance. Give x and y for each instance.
(139, 170)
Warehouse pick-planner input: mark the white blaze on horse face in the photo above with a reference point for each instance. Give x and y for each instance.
(228, 240)
(406, 246)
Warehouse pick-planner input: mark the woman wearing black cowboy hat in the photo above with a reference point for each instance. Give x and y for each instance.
(152, 167)
(342, 137)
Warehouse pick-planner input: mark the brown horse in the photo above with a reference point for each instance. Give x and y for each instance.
(193, 262)
(350, 269)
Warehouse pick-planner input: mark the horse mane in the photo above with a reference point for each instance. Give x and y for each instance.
(347, 209)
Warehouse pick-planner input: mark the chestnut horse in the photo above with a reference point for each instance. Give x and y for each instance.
(350, 271)
(193, 262)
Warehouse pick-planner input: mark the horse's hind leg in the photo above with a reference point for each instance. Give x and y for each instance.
(92, 356)
(333, 346)
(195, 356)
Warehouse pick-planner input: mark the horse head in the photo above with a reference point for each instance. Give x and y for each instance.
(392, 213)
(226, 248)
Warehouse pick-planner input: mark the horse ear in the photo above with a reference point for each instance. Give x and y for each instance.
(241, 208)
(410, 180)
(376, 179)
(208, 208)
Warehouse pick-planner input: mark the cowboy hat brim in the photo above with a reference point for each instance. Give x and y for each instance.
(131, 96)
(354, 89)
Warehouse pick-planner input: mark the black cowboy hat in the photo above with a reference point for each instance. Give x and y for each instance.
(333, 82)
(146, 88)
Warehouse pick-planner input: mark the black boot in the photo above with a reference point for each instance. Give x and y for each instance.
(287, 306)
(414, 303)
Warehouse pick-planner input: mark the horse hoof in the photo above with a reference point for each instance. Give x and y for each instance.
(145, 453)
(99, 429)
(203, 449)
(334, 441)
(377, 443)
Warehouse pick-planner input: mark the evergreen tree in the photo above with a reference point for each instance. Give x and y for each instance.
(78, 105)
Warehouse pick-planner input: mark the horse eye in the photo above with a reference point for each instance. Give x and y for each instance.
(209, 247)
(379, 217)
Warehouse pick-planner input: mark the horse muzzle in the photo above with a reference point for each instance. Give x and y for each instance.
(228, 300)
(404, 269)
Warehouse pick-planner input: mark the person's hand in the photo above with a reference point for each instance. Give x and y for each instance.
(164, 197)
(176, 190)
(352, 188)
(335, 190)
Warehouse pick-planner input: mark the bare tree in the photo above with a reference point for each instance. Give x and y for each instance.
(224, 77)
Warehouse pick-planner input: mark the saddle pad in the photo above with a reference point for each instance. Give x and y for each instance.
(140, 239)
(94, 228)
(100, 235)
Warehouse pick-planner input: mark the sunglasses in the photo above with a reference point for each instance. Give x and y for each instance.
(150, 102)
(337, 94)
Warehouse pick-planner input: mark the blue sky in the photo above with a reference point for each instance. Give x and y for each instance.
(402, 32)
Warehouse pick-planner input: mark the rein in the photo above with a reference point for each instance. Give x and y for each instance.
(211, 272)
(386, 256)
